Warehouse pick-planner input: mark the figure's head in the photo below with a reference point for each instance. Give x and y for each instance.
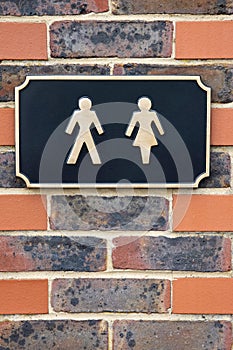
(144, 104)
(84, 103)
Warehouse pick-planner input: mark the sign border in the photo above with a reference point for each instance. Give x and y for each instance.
(195, 184)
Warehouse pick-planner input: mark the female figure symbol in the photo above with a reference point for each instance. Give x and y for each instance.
(145, 138)
(84, 117)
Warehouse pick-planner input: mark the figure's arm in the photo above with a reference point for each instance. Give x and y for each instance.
(131, 126)
(158, 124)
(97, 124)
(71, 124)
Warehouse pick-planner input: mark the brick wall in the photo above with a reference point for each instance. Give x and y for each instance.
(87, 270)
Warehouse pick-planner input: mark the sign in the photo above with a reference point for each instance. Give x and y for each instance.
(112, 131)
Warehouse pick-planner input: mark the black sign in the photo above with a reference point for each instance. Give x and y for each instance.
(140, 131)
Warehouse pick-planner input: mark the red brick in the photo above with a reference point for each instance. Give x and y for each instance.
(204, 40)
(203, 296)
(22, 212)
(23, 41)
(24, 297)
(203, 213)
(7, 127)
(222, 127)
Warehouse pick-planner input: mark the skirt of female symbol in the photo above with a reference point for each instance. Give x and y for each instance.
(145, 138)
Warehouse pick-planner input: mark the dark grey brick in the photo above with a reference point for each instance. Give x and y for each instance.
(219, 78)
(220, 171)
(12, 76)
(53, 335)
(111, 295)
(51, 7)
(109, 213)
(7, 171)
(110, 39)
(23, 253)
(215, 7)
(171, 335)
(206, 254)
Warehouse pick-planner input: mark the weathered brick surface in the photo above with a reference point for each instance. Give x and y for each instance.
(111, 295)
(109, 213)
(7, 171)
(23, 253)
(56, 335)
(220, 171)
(12, 76)
(219, 78)
(165, 335)
(51, 7)
(110, 39)
(171, 6)
(210, 253)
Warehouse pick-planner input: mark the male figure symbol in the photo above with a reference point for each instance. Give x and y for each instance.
(145, 138)
(84, 117)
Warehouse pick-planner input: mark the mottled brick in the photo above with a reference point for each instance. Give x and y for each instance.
(171, 335)
(220, 171)
(12, 76)
(170, 6)
(110, 39)
(7, 171)
(23, 253)
(56, 335)
(210, 253)
(109, 213)
(111, 295)
(219, 78)
(51, 7)
(230, 80)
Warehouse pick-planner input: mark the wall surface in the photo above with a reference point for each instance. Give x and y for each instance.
(107, 269)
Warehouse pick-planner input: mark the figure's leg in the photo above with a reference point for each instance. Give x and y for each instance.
(145, 153)
(75, 152)
(93, 151)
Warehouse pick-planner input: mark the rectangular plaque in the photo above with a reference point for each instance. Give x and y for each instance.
(112, 131)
